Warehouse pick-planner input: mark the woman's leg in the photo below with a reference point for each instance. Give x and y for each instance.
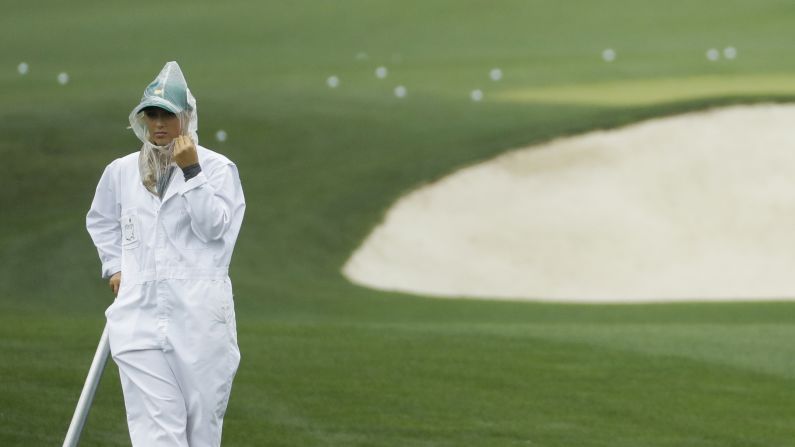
(205, 356)
(156, 410)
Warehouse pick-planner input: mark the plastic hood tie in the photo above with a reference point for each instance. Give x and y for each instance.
(169, 91)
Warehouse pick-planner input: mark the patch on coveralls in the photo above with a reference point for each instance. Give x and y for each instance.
(129, 230)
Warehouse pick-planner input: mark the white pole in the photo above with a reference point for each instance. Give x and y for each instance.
(89, 389)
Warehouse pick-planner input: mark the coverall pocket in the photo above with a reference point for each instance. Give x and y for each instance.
(229, 315)
(220, 300)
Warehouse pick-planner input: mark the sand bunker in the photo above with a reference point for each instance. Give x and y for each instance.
(694, 207)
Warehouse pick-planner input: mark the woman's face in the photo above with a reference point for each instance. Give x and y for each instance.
(163, 125)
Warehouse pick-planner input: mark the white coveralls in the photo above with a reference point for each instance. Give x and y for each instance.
(172, 326)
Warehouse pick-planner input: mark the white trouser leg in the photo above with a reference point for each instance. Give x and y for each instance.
(206, 387)
(156, 411)
(204, 359)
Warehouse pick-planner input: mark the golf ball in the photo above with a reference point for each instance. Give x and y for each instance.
(63, 78)
(220, 136)
(609, 55)
(476, 95)
(730, 52)
(22, 68)
(333, 81)
(495, 74)
(400, 91)
(381, 72)
(713, 54)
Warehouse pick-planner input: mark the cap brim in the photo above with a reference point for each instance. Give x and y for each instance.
(155, 101)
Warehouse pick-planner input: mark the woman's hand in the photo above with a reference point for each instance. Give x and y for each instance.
(114, 282)
(185, 151)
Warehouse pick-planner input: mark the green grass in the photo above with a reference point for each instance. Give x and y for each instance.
(652, 91)
(327, 363)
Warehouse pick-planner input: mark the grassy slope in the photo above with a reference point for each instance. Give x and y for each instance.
(326, 363)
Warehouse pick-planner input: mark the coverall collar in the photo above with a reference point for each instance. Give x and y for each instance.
(174, 186)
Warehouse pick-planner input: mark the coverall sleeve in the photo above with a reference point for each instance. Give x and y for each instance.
(212, 199)
(102, 223)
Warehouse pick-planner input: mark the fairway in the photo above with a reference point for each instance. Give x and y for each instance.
(326, 362)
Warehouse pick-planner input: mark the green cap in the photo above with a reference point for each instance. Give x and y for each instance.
(168, 91)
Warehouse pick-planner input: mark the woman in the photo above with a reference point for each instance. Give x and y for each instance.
(165, 239)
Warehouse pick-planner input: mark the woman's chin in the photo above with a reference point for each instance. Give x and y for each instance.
(161, 141)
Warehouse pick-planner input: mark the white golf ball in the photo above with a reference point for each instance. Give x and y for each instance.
(476, 95)
(333, 81)
(400, 91)
(220, 136)
(713, 54)
(609, 55)
(381, 72)
(730, 52)
(23, 68)
(360, 56)
(495, 74)
(63, 78)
